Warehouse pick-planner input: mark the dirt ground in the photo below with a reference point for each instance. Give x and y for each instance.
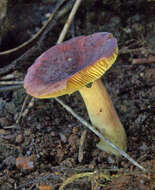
(41, 151)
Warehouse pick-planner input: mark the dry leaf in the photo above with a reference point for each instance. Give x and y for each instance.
(45, 187)
(24, 163)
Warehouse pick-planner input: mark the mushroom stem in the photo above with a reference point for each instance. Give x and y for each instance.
(103, 116)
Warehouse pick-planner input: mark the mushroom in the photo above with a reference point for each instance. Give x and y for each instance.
(71, 66)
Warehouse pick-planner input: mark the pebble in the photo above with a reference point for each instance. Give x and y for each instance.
(140, 118)
(4, 121)
(25, 163)
(27, 132)
(143, 147)
(2, 131)
(111, 160)
(11, 108)
(47, 15)
(63, 137)
(19, 138)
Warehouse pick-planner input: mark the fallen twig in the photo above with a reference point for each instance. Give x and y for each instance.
(7, 77)
(69, 21)
(145, 51)
(32, 51)
(70, 170)
(21, 112)
(81, 175)
(11, 82)
(11, 127)
(125, 50)
(81, 145)
(54, 22)
(38, 34)
(12, 65)
(95, 131)
(150, 59)
(9, 88)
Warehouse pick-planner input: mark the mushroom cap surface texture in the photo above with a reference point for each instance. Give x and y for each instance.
(71, 65)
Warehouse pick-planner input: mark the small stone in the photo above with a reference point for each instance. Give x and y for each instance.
(10, 161)
(141, 74)
(143, 147)
(25, 163)
(53, 134)
(2, 131)
(11, 108)
(111, 160)
(75, 130)
(123, 108)
(140, 119)
(63, 137)
(19, 138)
(4, 121)
(47, 15)
(27, 132)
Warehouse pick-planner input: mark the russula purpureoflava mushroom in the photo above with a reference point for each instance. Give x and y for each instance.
(71, 66)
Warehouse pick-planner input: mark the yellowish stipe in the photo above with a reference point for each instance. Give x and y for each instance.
(85, 76)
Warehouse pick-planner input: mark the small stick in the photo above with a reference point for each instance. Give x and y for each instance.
(11, 82)
(60, 14)
(23, 107)
(12, 65)
(144, 60)
(30, 105)
(69, 21)
(8, 88)
(7, 77)
(125, 50)
(11, 127)
(82, 140)
(23, 112)
(94, 130)
(38, 34)
(36, 48)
